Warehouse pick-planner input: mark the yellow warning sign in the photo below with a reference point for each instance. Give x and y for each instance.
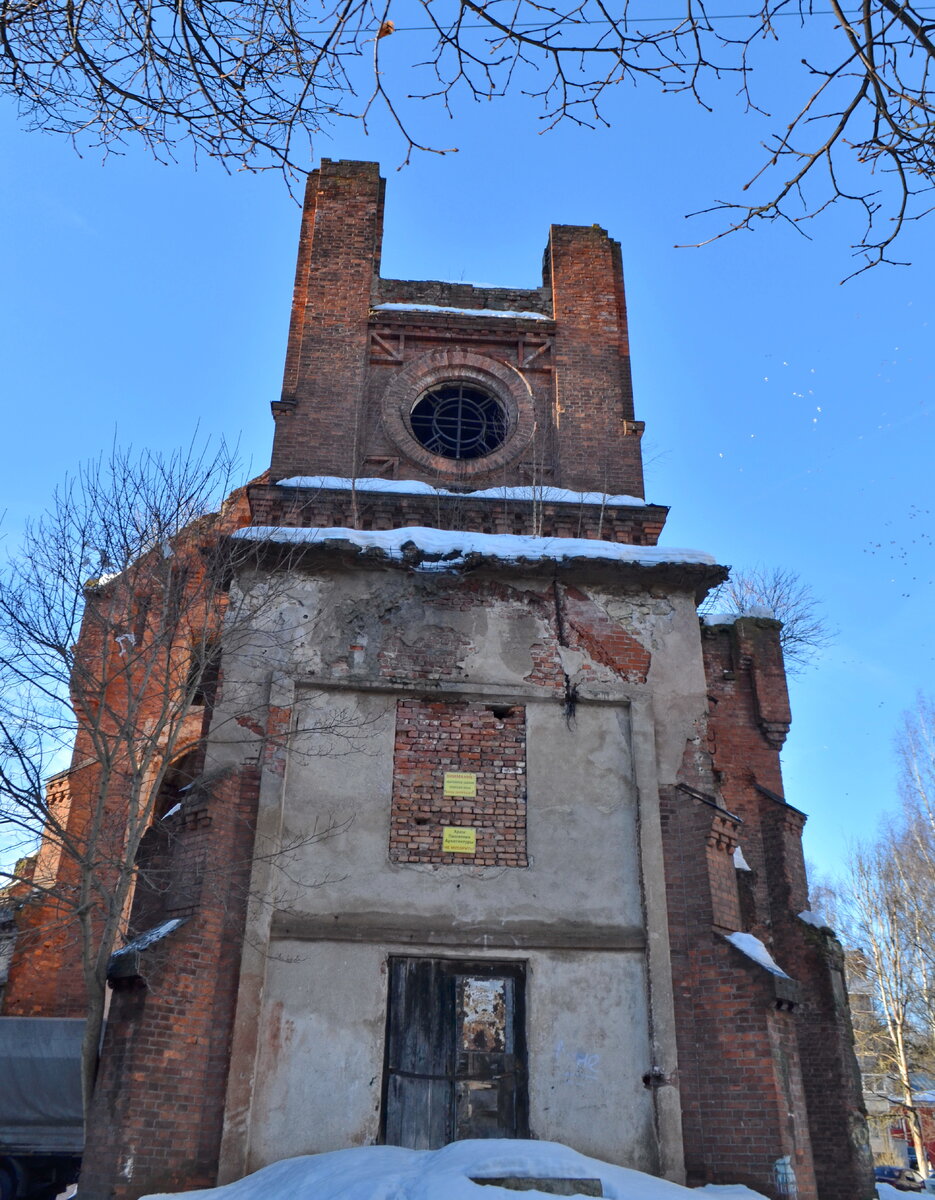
(458, 840)
(460, 783)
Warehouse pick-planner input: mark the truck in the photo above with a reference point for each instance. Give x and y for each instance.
(41, 1118)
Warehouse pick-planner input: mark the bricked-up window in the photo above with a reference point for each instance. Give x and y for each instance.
(439, 737)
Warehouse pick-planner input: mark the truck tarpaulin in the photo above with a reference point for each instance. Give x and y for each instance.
(40, 1098)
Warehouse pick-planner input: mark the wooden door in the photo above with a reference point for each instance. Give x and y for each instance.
(455, 1052)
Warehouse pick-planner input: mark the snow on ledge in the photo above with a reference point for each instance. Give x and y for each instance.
(740, 863)
(448, 548)
(813, 919)
(460, 312)
(753, 948)
(412, 487)
(752, 610)
(150, 937)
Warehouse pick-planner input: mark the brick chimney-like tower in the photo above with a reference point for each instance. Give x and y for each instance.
(548, 367)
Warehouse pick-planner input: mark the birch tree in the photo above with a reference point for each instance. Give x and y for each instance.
(916, 861)
(878, 924)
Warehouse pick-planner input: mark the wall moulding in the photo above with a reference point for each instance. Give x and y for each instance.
(376, 928)
(456, 364)
(447, 689)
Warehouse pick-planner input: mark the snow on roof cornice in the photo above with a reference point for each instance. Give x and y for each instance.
(444, 549)
(740, 863)
(535, 494)
(461, 312)
(759, 611)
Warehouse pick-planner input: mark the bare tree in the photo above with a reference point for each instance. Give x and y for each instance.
(884, 909)
(110, 617)
(780, 593)
(877, 917)
(915, 744)
(115, 612)
(253, 82)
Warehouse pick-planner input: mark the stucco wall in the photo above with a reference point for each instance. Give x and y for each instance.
(587, 915)
(320, 1062)
(581, 814)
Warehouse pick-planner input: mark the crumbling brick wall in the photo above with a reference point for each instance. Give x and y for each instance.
(767, 1068)
(156, 1119)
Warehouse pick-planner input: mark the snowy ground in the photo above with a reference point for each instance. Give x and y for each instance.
(391, 1173)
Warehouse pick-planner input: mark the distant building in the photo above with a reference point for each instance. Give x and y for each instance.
(490, 836)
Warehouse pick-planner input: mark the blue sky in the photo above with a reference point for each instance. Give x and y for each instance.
(789, 420)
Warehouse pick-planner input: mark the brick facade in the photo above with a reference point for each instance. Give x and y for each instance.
(765, 1090)
(166, 1053)
(45, 976)
(363, 509)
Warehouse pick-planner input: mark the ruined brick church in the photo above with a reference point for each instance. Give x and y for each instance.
(509, 854)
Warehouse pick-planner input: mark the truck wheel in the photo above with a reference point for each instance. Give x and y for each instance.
(7, 1184)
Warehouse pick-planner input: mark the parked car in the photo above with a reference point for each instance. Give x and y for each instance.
(904, 1179)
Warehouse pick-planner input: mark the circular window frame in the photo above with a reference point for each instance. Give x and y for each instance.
(506, 384)
(459, 415)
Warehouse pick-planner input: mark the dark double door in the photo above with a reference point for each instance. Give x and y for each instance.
(455, 1052)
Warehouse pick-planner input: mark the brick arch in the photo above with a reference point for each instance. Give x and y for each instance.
(438, 366)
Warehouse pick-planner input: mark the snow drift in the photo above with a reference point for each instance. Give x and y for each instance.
(391, 1173)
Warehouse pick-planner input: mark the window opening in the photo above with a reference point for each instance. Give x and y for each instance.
(203, 675)
(459, 420)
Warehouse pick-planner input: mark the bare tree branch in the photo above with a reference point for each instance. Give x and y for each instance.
(254, 82)
(113, 615)
(777, 592)
(875, 909)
